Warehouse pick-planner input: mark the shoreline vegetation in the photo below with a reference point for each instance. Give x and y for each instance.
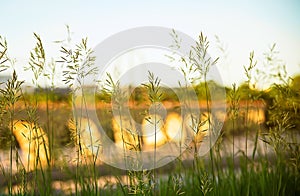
(256, 151)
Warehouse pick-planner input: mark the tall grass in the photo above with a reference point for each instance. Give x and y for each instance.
(272, 168)
(37, 65)
(10, 96)
(155, 97)
(78, 62)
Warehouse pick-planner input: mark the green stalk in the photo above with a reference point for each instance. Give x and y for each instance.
(209, 128)
(155, 129)
(11, 117)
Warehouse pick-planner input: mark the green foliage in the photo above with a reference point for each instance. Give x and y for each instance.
(58, 95)
(201, 62)
(78, 62)
(214, 88)
(153, 88)
(37, 60)
(4, 59)
(12, 91)
(138, 95)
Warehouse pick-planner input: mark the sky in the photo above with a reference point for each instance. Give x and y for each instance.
(242, 26)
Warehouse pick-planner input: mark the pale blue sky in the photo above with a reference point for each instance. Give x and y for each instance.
(242, 25)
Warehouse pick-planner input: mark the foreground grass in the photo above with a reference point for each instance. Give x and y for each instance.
(269, 169)
(265, 174)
